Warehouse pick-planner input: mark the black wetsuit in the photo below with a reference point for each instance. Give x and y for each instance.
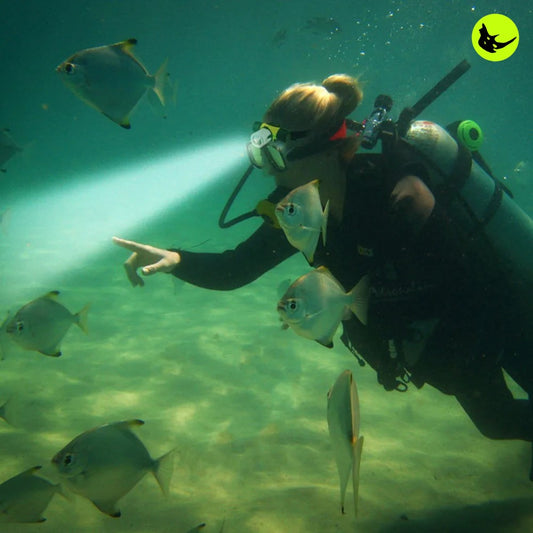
(436, 315)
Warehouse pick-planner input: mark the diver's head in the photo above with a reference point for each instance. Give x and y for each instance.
(303, 126)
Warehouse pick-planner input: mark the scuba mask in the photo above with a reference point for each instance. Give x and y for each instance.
(270, 142)
(278, 145)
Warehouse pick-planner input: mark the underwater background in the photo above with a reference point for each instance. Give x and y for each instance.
(211, 373)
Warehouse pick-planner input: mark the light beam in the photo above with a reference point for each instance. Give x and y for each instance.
(64, 228)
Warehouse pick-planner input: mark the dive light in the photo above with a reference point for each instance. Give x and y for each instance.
(373, 124)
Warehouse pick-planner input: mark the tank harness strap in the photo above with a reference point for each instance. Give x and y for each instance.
(460, 173)
(345, 338)
(458, 176)
(391, 373)
(394, 376)
(494, 204)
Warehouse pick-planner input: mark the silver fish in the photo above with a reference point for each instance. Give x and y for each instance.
(197, 529)
(112, 80)
(3, 412)
(41, 324)
(520, 167)
(326, 26)
(302, 219)
(316, 303)
(201, 526)
(343, 424)
(279, 37)
(4, 342)
(24, 498)
(105, 463)
(8, 148)
(4, 220)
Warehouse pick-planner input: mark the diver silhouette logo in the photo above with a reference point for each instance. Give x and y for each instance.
(485, 42)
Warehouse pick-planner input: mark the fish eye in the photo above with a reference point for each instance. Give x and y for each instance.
(293, 305)
(68, 459)
(69, 68)
(291, 209)
(20, 326)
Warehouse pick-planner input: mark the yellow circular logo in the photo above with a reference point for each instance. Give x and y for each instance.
(495, 37)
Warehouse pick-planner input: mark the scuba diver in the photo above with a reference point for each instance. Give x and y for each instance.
(442, 310)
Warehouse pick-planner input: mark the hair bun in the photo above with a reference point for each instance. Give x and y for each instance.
(347, 89)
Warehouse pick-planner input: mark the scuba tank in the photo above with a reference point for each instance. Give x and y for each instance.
(493, 231)
(455, 176)
(459, 178)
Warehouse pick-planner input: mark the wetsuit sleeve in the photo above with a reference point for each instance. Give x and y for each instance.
(262, 251)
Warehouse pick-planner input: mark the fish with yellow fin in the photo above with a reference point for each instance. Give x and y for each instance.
(4, 220)
(316, 303)
(41, 324)
(112, 80)
(302, 219)
(8, 148)
(24, 497)
(105, 463)
(343, 424)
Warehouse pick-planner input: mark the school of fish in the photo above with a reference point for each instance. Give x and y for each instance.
(105, 463)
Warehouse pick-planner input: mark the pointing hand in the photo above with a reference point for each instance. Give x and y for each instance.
(148, 258)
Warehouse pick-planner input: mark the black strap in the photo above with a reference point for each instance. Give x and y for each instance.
(222, 222)
(493, 206)
(459, 175)
(462, 166)
(409, 113)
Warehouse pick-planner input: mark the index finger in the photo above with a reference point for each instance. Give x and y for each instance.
(132, 246)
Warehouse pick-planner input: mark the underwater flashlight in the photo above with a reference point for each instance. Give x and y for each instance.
(372, 125)
(261, 137)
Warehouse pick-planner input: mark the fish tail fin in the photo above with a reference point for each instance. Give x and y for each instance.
(164, 89)
(4, 342)
(325, 216)
(163, 468)
(5, 217)
(357, 451)
(60, 489)
(82, 317)
(3, 415)
(359, 294)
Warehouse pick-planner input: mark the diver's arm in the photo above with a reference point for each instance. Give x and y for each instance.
(262, 251)
(412, 203)
(420, 223)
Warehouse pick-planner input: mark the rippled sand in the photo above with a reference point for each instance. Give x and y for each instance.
(243, 402)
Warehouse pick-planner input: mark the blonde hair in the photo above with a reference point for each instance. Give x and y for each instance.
(308, 106)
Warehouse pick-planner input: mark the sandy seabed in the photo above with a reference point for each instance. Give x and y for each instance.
(243, 403)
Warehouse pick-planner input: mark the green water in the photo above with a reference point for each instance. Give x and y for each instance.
(212, 374)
